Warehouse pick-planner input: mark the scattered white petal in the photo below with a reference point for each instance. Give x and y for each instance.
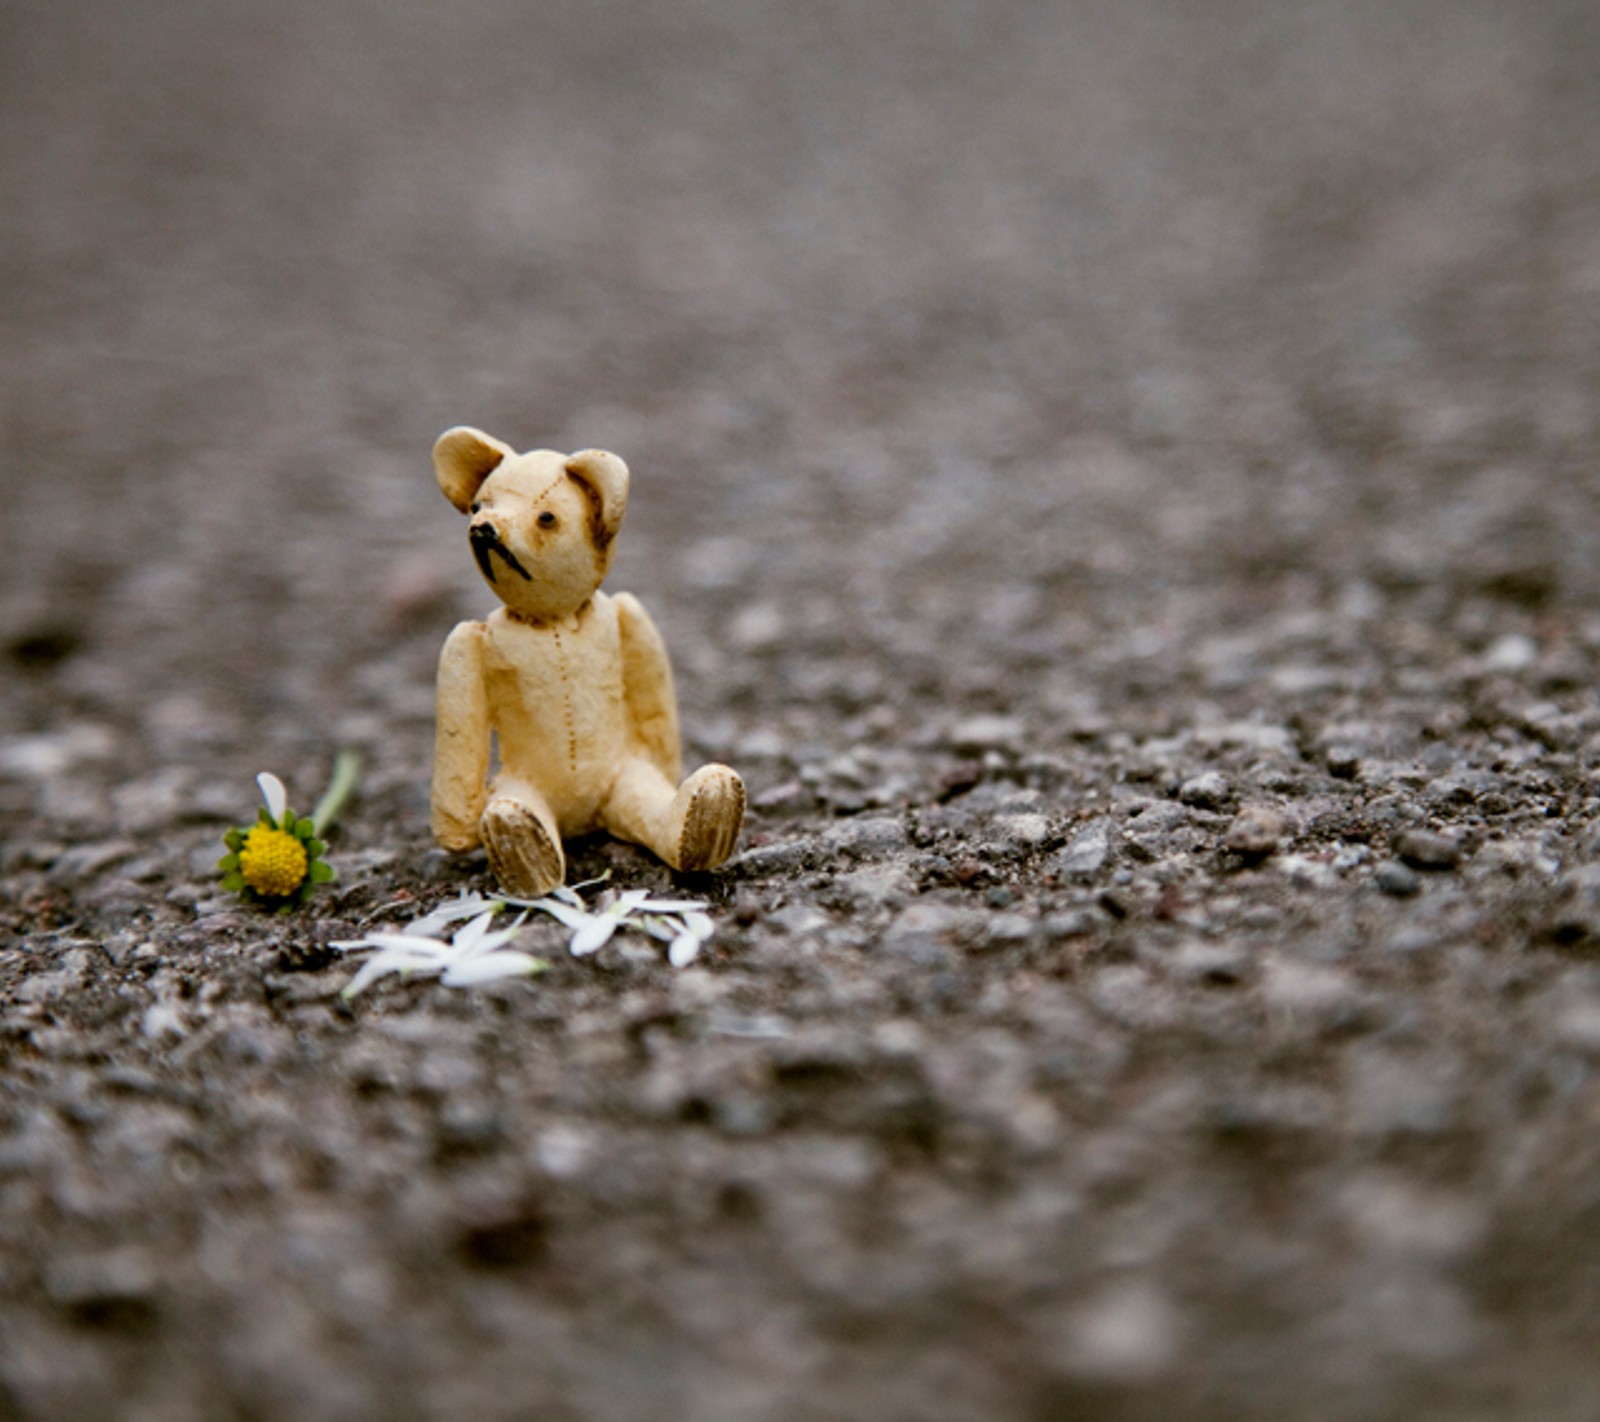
(381, 964)
(684, 950)
(274, 794)
(475, 953)
(649, 905)
(452, 911)
(572, 917)
(666, 929)
(594, 934)
(490, 968)
(471, 956)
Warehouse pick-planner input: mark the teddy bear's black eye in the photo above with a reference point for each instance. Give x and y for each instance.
(547, 519)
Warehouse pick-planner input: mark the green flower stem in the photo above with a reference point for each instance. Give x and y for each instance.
(346, 771)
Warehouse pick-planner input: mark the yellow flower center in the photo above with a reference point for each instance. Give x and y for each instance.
(272, 861)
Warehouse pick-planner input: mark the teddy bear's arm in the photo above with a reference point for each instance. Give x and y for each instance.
(647, 687)
(461, 739)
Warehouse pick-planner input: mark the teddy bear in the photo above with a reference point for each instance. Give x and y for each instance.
(574, 683)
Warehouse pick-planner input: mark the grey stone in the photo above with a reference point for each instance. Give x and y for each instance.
(877, 886)
(871, 836)
(1209, 790)
(1129, 1332)
(1427, 849)
(1343, 762)
(1255, 832)
(1086, 852)
(922, 934)
(117, 1281)
(1577, 1027)
(84, 861)
(1203, 961)
(1397, 879)
(982, 733)
(1022, 831)
(783, 857)
(1393, 1095)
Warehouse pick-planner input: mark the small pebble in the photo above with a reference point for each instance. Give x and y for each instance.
(1255, 832)
(1023, 831)
(1086, 852)
(981, 733)
(1395, 878)
(1344, 763)
(1426, 849)
(1207, 791)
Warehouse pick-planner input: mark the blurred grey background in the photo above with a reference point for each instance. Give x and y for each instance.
(1047, 297)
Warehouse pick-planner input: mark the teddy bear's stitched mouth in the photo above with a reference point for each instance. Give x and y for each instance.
(485, 541)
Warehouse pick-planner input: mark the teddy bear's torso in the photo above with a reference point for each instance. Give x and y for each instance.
(558, 708)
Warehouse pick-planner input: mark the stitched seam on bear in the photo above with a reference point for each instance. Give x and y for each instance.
(690, 825)
(566, 702)
(549, 489)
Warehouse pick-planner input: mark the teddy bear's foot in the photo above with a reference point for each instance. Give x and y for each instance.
(523, 852)
(708, 810)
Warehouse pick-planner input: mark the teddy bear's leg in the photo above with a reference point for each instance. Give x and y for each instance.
(522, 841)
(691, 826)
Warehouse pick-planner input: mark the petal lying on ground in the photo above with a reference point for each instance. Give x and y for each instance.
(491, 966)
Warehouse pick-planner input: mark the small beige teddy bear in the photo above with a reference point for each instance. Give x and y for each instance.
(575, 684)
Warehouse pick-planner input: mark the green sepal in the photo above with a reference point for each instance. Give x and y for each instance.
(322, 873)
(233, 882)
(227, 864)
(304, 829)
(316, 848)
(234, 839)
(288, 822)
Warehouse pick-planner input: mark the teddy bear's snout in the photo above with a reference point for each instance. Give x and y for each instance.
(486, 542)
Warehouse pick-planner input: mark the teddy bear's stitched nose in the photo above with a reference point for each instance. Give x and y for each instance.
(484, 539)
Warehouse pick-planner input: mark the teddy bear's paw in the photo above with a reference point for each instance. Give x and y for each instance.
(525, 856)
(711, 802)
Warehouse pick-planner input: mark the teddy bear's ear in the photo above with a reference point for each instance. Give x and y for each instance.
(462, 459)
(606, 478)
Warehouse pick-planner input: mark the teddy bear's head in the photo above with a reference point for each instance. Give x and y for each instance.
(542, 525)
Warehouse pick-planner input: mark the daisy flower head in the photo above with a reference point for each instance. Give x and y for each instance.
(276, 863)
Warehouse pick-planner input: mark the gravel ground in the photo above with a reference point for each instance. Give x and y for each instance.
(1120, 481)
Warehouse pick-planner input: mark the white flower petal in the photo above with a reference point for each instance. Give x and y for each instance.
(666, 929)
(395, 942)
(490, 967)
(700, 925)
(685, 949)
(274, 794)
(452, 911)
(467, 937)
(594, 935)
(572, 917)
(394, 961)
(672, 906)
(485, 944)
